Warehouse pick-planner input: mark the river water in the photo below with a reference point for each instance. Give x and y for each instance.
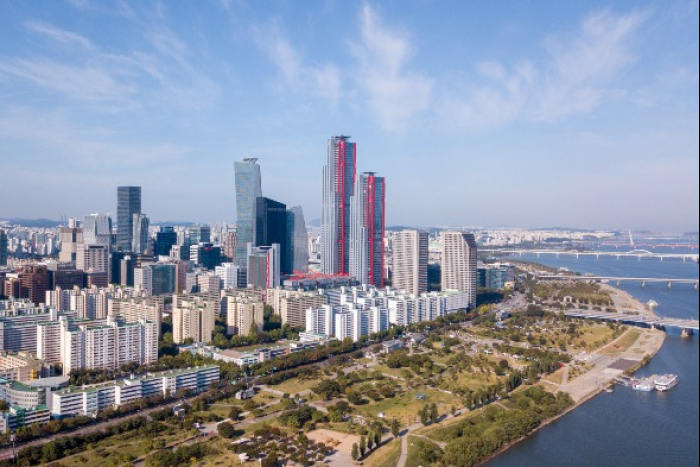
(626, 427)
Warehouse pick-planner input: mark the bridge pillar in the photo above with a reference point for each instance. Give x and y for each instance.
(669, 285)
(686, 332)
(644, 283)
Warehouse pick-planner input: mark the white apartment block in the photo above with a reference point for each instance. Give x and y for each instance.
(107, 345)
(459, 269)
(320, 320)
(291, 305)
(410, 262)
(229, 274)
(135, 309)
(88, 400)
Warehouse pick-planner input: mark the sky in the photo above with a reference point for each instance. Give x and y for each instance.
(481, 114)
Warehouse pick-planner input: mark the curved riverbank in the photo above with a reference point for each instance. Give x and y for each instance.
(594, 381)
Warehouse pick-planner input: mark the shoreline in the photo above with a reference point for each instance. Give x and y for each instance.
(636, 305)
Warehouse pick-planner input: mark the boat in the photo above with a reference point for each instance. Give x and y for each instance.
(644, 385)
(666, 382)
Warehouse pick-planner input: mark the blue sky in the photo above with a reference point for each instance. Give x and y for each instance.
(502, 113)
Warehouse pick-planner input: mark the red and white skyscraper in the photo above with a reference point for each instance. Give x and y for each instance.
(338, 187)
(366, 246)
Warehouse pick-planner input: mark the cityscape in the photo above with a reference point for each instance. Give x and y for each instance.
(403, 309)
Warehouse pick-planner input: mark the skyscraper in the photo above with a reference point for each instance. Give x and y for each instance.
(459, 263)
(297, 241)
(248, 190)
(199, 234)
(410, 269)
(165, 239)
(366, 245)
(3, 248)
(271, 227)
(263, 266)
(128, 204)
(140, 237)
(70, 238)
(338, 188)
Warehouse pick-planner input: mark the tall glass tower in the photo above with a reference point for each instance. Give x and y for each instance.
(128, 204)
(366, 245)
(297, 241)
(338, 188)
(248, 190)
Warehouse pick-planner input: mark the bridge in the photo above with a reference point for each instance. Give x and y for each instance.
(639, 254)
(687, 326)
(642, 280)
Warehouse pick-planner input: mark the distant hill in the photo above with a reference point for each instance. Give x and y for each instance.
(39, 223)
(314, 223)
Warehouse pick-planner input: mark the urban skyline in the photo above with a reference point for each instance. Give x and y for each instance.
(613, 124)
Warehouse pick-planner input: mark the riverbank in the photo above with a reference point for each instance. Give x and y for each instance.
(606, 366)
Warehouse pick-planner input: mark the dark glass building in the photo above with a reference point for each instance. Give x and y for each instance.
(128, 204)
(271, 228)
(165, 239)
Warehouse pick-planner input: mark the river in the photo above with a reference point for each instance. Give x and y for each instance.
(625, 427)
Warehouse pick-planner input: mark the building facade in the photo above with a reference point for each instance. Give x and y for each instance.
(128, 204)
(338, 188)
(366, 245)
(459, 263)
(410, 262)
(248, 190)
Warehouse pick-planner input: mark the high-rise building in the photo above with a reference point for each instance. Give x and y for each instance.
(128, 204)
(155, 279)
(243, 309)
(228, 247)
(206, 255)
(193, 318)
(459, 264)
(271, 227)
(93, 256)
(69, 237)
(248, 190)
(3, 248)
(34, 282)
(97, 230)
(366, 245)
(165, 239)
(199, 234)
(297, 241)
(263, 266)
(338, 188)
(410, 269)
(231, 276)
(140, 237)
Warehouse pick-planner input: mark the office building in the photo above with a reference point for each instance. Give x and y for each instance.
(271, 227)
(231, 276)
(141, 239)
(70, 238)
(165, 239)
(199, 234)
(193, 318)
(458, 271)
(366, 242)
(338, 188)
(92, 256)
(410, 258)
(228, 247)
(128, 204)
(297, 242)
(3, 248)
(206, 255)
(64, 276)
(263, 268)
(97, 230)
(34, 282)
(248, 190)
(155, 279)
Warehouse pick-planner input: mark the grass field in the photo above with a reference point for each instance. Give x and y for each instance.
(397, 372)
(294, 385)
(386, 456)
(405, 405)
(623, 343)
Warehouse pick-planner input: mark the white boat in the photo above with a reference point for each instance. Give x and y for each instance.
(666, 382)
(645, 385)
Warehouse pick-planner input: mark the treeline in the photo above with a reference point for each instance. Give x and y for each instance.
(474, 439)
(68, 445)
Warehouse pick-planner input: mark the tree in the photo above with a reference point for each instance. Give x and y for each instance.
(378, 437)
(234, 413)
(395, 428)
(363, 445)
(226, 430)
(370, 443)
(433, 413)
(424, 415)
(355, 452)
(503, 363)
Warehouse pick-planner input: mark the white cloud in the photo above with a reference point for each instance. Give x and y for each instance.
(578, 72)
(393, 94)
(319, 80)
(60, 36)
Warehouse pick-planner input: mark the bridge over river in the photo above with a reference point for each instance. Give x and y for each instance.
(687, 326)
(643, 280)
(638, 254)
